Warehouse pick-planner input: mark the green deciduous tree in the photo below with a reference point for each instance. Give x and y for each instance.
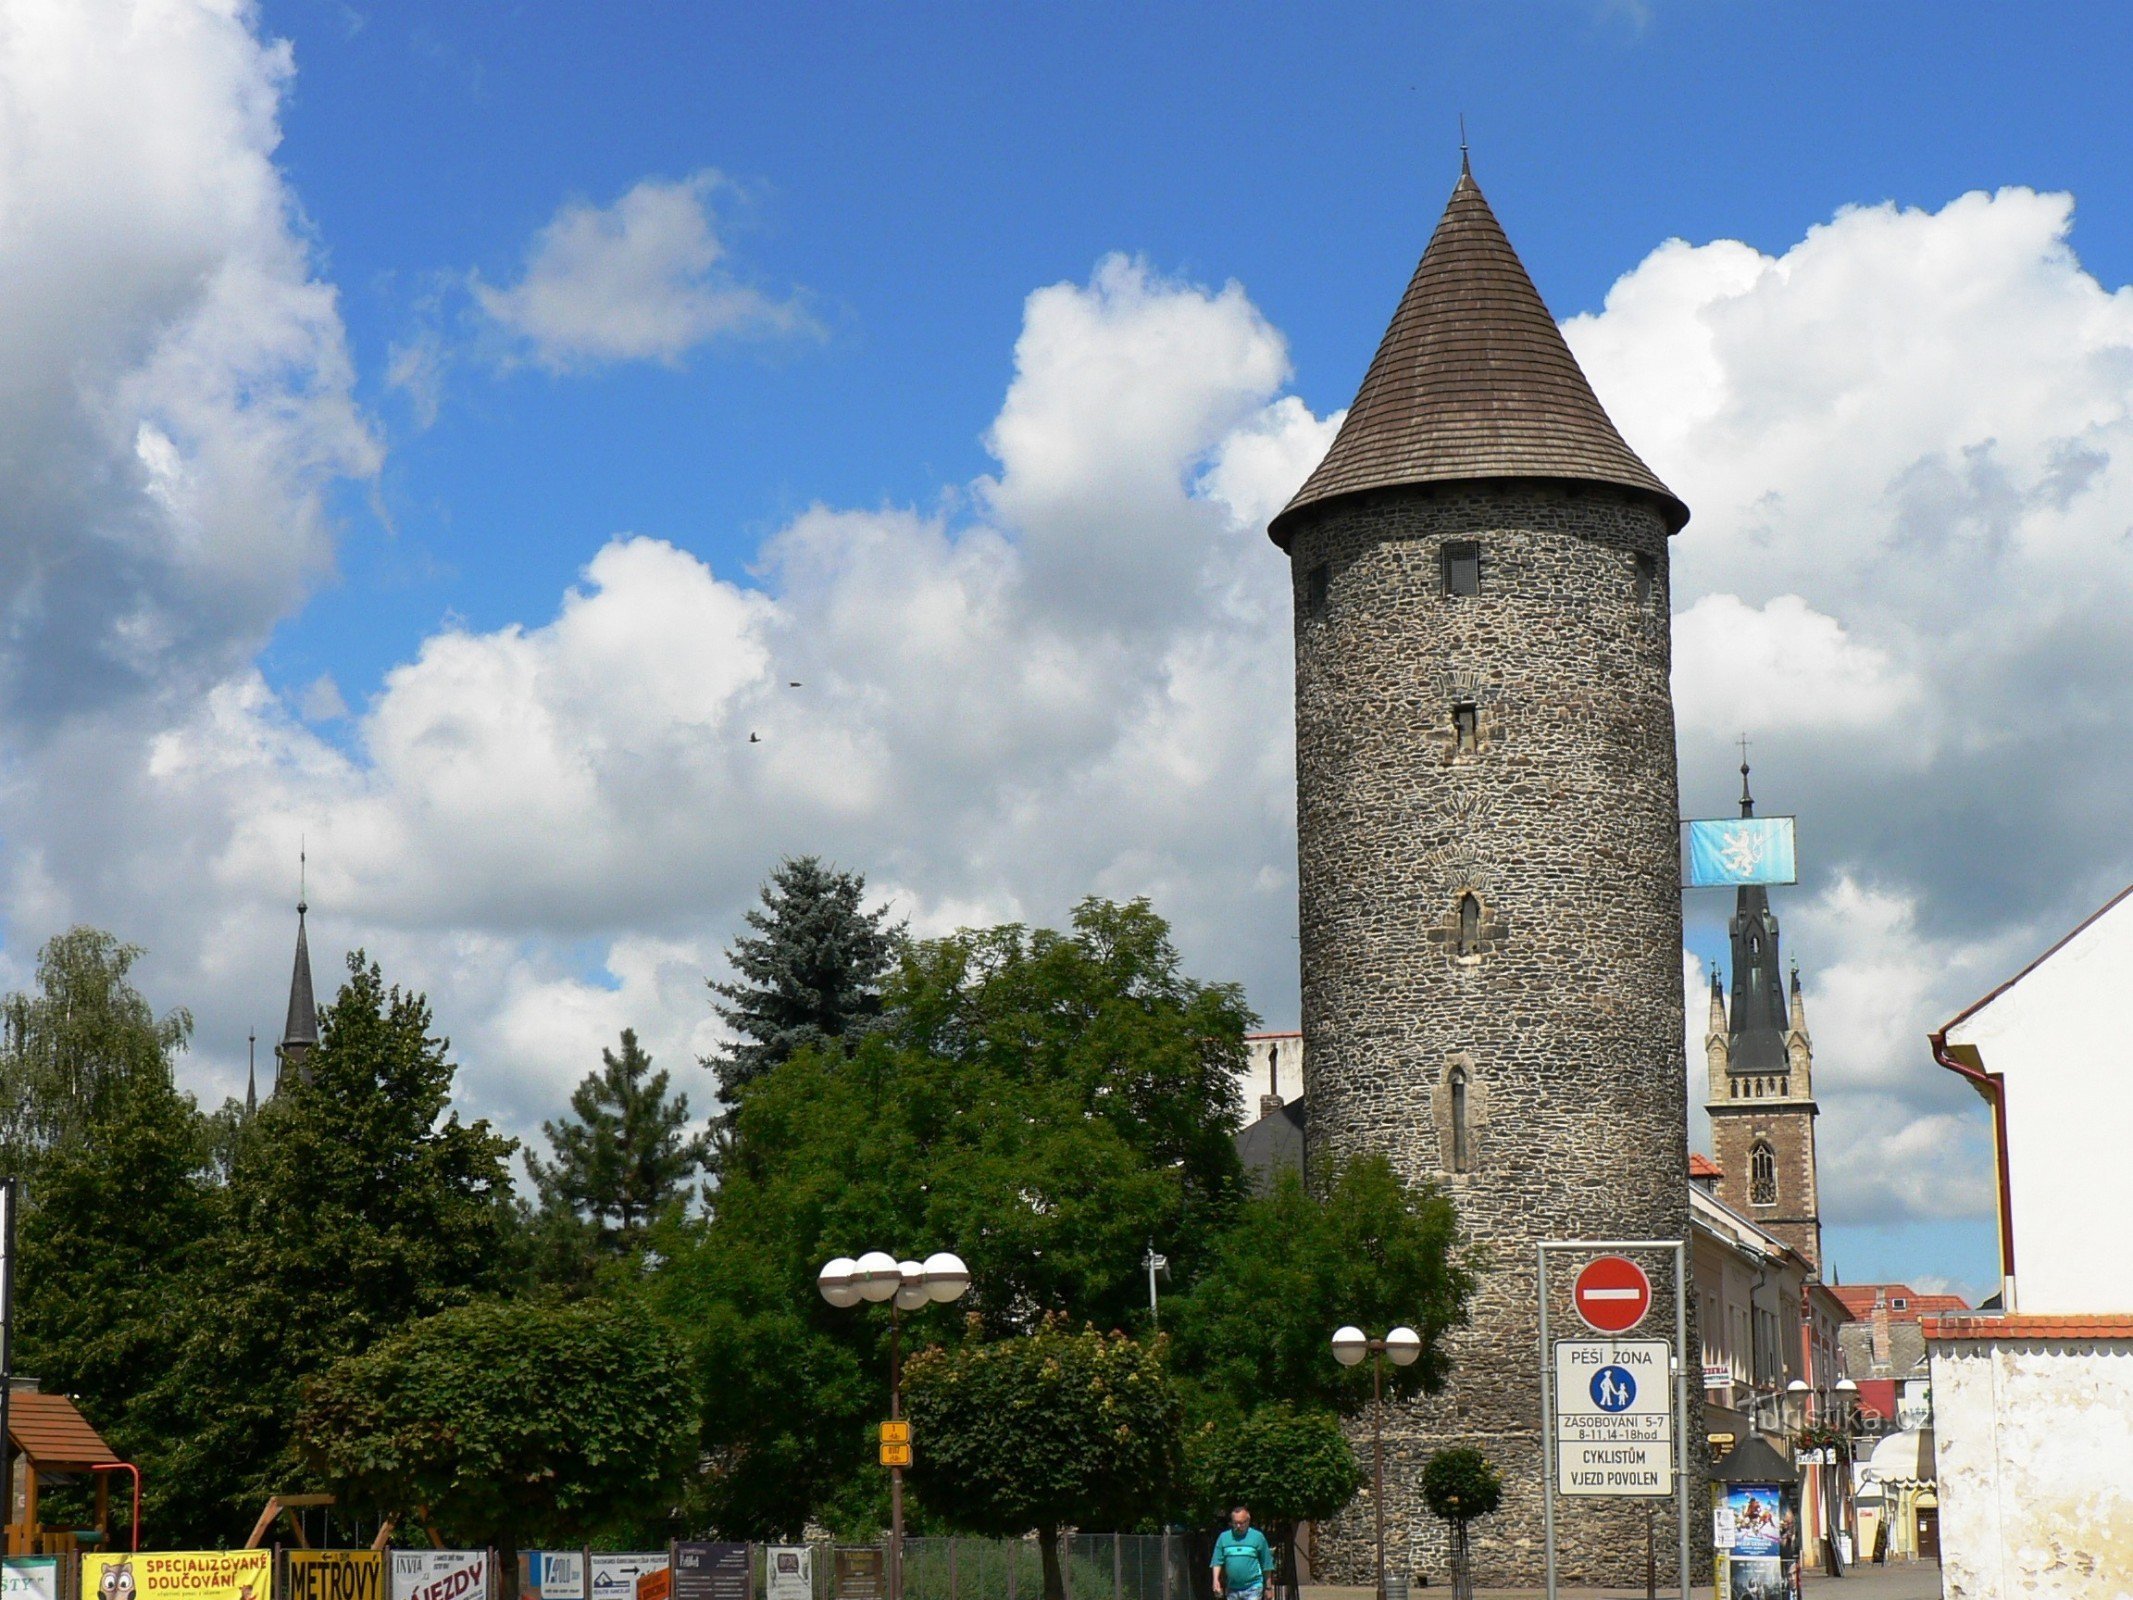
(359, 1203)
(1045, 1430)
(808, 975)
(1459, 1485)
(625, 1154)
(1373, 1252)
(1288, 1465)
(512, 1423)
(84, 1031)
(1042, 1103)
(116, 1238)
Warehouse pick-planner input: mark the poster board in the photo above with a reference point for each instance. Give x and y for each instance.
(335, 1575)
(29, 1578)
(551, 1575)
(440, 1575)
(708, 1570)
(1746, 1521)
(615, 1577)
(788, 1572)
(861, 1573)
(178, 1575)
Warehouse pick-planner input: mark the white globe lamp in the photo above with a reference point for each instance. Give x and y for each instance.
(1349, 1346)
(1403, 1346)
(835, 1282)
(946, 1277)
(877, 1276)
(911, 1286)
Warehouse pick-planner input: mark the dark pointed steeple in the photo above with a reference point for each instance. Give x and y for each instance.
(251, 1072)
(1760, 1014)
(1473, 381)
(299, 1034)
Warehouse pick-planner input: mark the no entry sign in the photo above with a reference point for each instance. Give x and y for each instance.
(1612, 1294)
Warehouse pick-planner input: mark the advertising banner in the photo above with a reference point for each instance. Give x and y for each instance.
(336, 1575)
(1736, 850)
(615, 1577)
(30, 1578)
(551, 1574)
(179, 1575)
(440, 1575)
(711, 1571)
(788, 1572)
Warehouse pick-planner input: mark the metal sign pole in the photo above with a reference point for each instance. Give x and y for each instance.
(1679, 1250)
(1681, 1401)
(1547, 1428)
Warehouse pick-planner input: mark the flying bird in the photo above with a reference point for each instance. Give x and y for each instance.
(755, 738)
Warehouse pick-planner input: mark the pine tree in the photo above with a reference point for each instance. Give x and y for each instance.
(626, 1155)
(811, 972)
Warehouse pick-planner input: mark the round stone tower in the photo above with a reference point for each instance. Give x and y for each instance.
(1487, 852)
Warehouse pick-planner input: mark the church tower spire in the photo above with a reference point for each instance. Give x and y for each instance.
(299, 1034)
(1487, 850)
(1762, 1104)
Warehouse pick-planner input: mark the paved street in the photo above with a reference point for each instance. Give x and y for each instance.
(1899, 1581)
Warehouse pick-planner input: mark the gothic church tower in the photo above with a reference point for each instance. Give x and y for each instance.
(1488, 873)
(1761, 1063)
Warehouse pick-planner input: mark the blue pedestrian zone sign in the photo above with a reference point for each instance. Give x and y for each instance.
(1738, 850)
(1614, 1389)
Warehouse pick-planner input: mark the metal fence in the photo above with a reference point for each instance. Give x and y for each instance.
(1093, 1566)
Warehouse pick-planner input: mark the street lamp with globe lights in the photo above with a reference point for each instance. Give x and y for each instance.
(1402, 1347)
(875, 1277)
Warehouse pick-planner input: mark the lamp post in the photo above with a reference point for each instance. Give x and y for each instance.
(1401, 1347)
(906, 1286)
(1846, 1398)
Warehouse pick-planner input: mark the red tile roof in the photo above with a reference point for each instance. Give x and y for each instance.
(48, 1429)
(1704, 1167)
(2016, 1326)
(1858, 1299)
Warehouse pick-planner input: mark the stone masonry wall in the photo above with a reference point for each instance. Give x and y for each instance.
(1559, 814)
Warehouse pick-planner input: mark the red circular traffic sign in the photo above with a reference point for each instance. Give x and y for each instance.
(1612, 1294)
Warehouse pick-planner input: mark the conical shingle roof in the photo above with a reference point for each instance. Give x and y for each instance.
(1473, 380)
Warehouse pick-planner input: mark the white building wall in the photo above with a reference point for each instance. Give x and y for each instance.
(2035, 1447)
(2058, 1037)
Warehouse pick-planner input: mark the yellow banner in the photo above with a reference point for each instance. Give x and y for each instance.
(179, 1575)
(336, 1575)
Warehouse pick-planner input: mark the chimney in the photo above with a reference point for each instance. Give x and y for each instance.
(1271, 1101)
(1880, 1318)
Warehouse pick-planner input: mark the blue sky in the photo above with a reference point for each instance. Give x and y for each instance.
(441, 434)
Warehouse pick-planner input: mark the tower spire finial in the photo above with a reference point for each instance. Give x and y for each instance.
(1466, 167)
(303, 876)
(1747, 800)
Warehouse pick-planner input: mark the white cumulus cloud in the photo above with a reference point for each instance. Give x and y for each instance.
(643, 279)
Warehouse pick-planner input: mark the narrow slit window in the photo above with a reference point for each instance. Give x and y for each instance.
(1762, 1175)
(1466, 727)
(1462, 1150)
(1462, 568)
(1469, 924)
(1317, 583)
(1647, 576)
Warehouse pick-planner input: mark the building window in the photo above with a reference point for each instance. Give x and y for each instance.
(1470, 924)
(1647, 576)
(1466, 727)
(1462, 567)
(1462, 1150)
(1316, 584)
(1898, 1304)
(1762, 1175)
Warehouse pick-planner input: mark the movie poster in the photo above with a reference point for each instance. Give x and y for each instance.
(1754, 1570)
(179, 1575)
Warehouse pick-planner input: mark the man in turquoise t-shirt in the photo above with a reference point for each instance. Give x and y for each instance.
(1243, 1562)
